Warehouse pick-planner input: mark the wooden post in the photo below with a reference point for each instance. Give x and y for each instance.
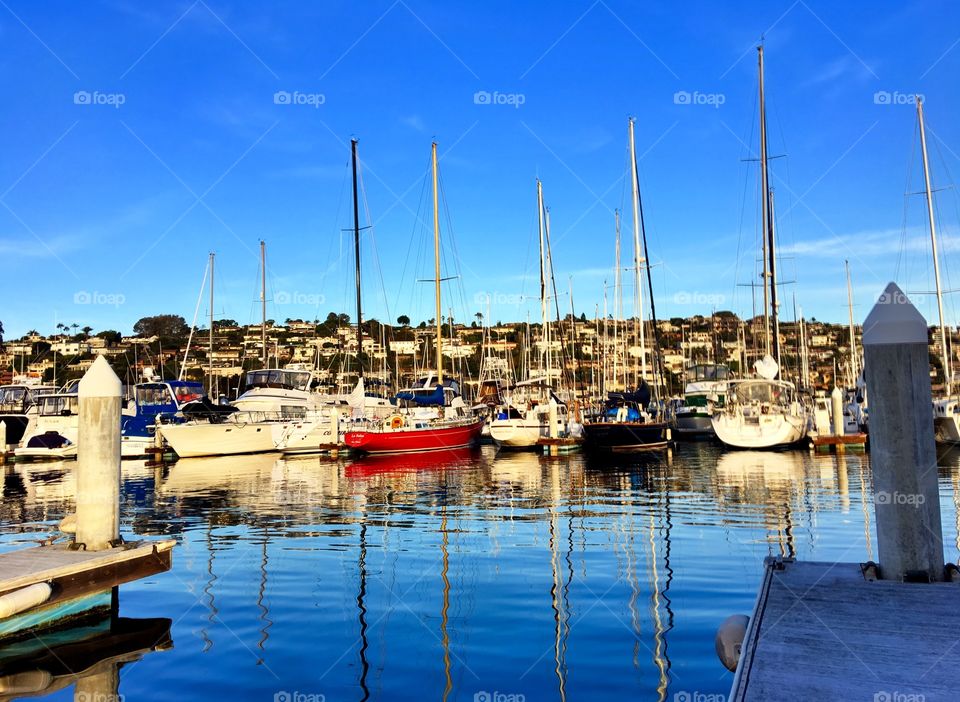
(98, 457)
(903, 453)
(836, 406)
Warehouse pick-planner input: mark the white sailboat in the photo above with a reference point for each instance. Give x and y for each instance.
(531, 411)
(763, 412)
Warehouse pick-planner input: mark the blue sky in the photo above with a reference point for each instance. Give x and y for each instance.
(141, 136)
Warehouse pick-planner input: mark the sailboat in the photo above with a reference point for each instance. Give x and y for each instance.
(626, 422)
(435, 417)
(531, 411)
(946, 422)
(763, 412)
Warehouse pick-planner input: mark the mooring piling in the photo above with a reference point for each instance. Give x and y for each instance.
(903, 452)
(98, 458)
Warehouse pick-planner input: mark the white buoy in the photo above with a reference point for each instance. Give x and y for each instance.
(903, 453)
(98, 457)
(729, 640)
(29, 682)
(68, 525)
(836, 403)
(24, 599)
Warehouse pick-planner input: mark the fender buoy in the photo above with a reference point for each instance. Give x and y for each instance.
(729, 640)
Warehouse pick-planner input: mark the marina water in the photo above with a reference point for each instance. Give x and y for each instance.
(474, 576)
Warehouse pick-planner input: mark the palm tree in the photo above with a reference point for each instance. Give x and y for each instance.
(86, 331)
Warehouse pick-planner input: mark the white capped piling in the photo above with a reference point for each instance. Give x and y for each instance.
(903, 454)
(836, 402)
(98, 457)
(3, 436)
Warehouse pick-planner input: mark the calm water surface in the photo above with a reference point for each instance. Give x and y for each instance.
(473, 578)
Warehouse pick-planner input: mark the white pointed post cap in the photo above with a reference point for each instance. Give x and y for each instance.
(100, 381)
(894, 320)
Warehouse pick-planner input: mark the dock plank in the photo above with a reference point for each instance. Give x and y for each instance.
(820, 631)
(57, 562)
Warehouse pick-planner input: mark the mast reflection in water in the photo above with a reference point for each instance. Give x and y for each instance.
(450, 576)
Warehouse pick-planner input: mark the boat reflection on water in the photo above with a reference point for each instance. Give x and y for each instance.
(89, 655)
(451, 459)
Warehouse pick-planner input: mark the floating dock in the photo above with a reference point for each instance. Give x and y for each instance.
(834, 442)
(823, 631)
(74, 576)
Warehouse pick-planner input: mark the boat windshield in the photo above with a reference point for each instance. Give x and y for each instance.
(12, 397)
(711, 372)
(273, 378)
(153, 395)
(59, 405)
(762, 392)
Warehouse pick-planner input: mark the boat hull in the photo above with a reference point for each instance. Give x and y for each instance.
(693, 423)
(416, 440)
(226, 439)
(626, 437)
(516, 434)
(760, 432)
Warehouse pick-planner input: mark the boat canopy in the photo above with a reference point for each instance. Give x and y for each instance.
(279, 378)
(423, 396)
(708, 371)
(761, 391)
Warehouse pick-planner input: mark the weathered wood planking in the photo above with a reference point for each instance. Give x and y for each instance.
(820, 631)
(74, 573)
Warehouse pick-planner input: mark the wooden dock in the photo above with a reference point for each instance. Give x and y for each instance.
(75, 574)
(823, 631)
(834, 442)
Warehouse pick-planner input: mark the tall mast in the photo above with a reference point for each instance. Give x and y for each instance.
(213, 392)
(854, 371)
(549, 269)
(638, 258)
(774, 305)
(764, 190)
(263, 300)
(356, 249)
(436, 256)
(543, 276)
(947, 372)
(617, 306)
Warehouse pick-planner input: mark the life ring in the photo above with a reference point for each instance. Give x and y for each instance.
(396, 421)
